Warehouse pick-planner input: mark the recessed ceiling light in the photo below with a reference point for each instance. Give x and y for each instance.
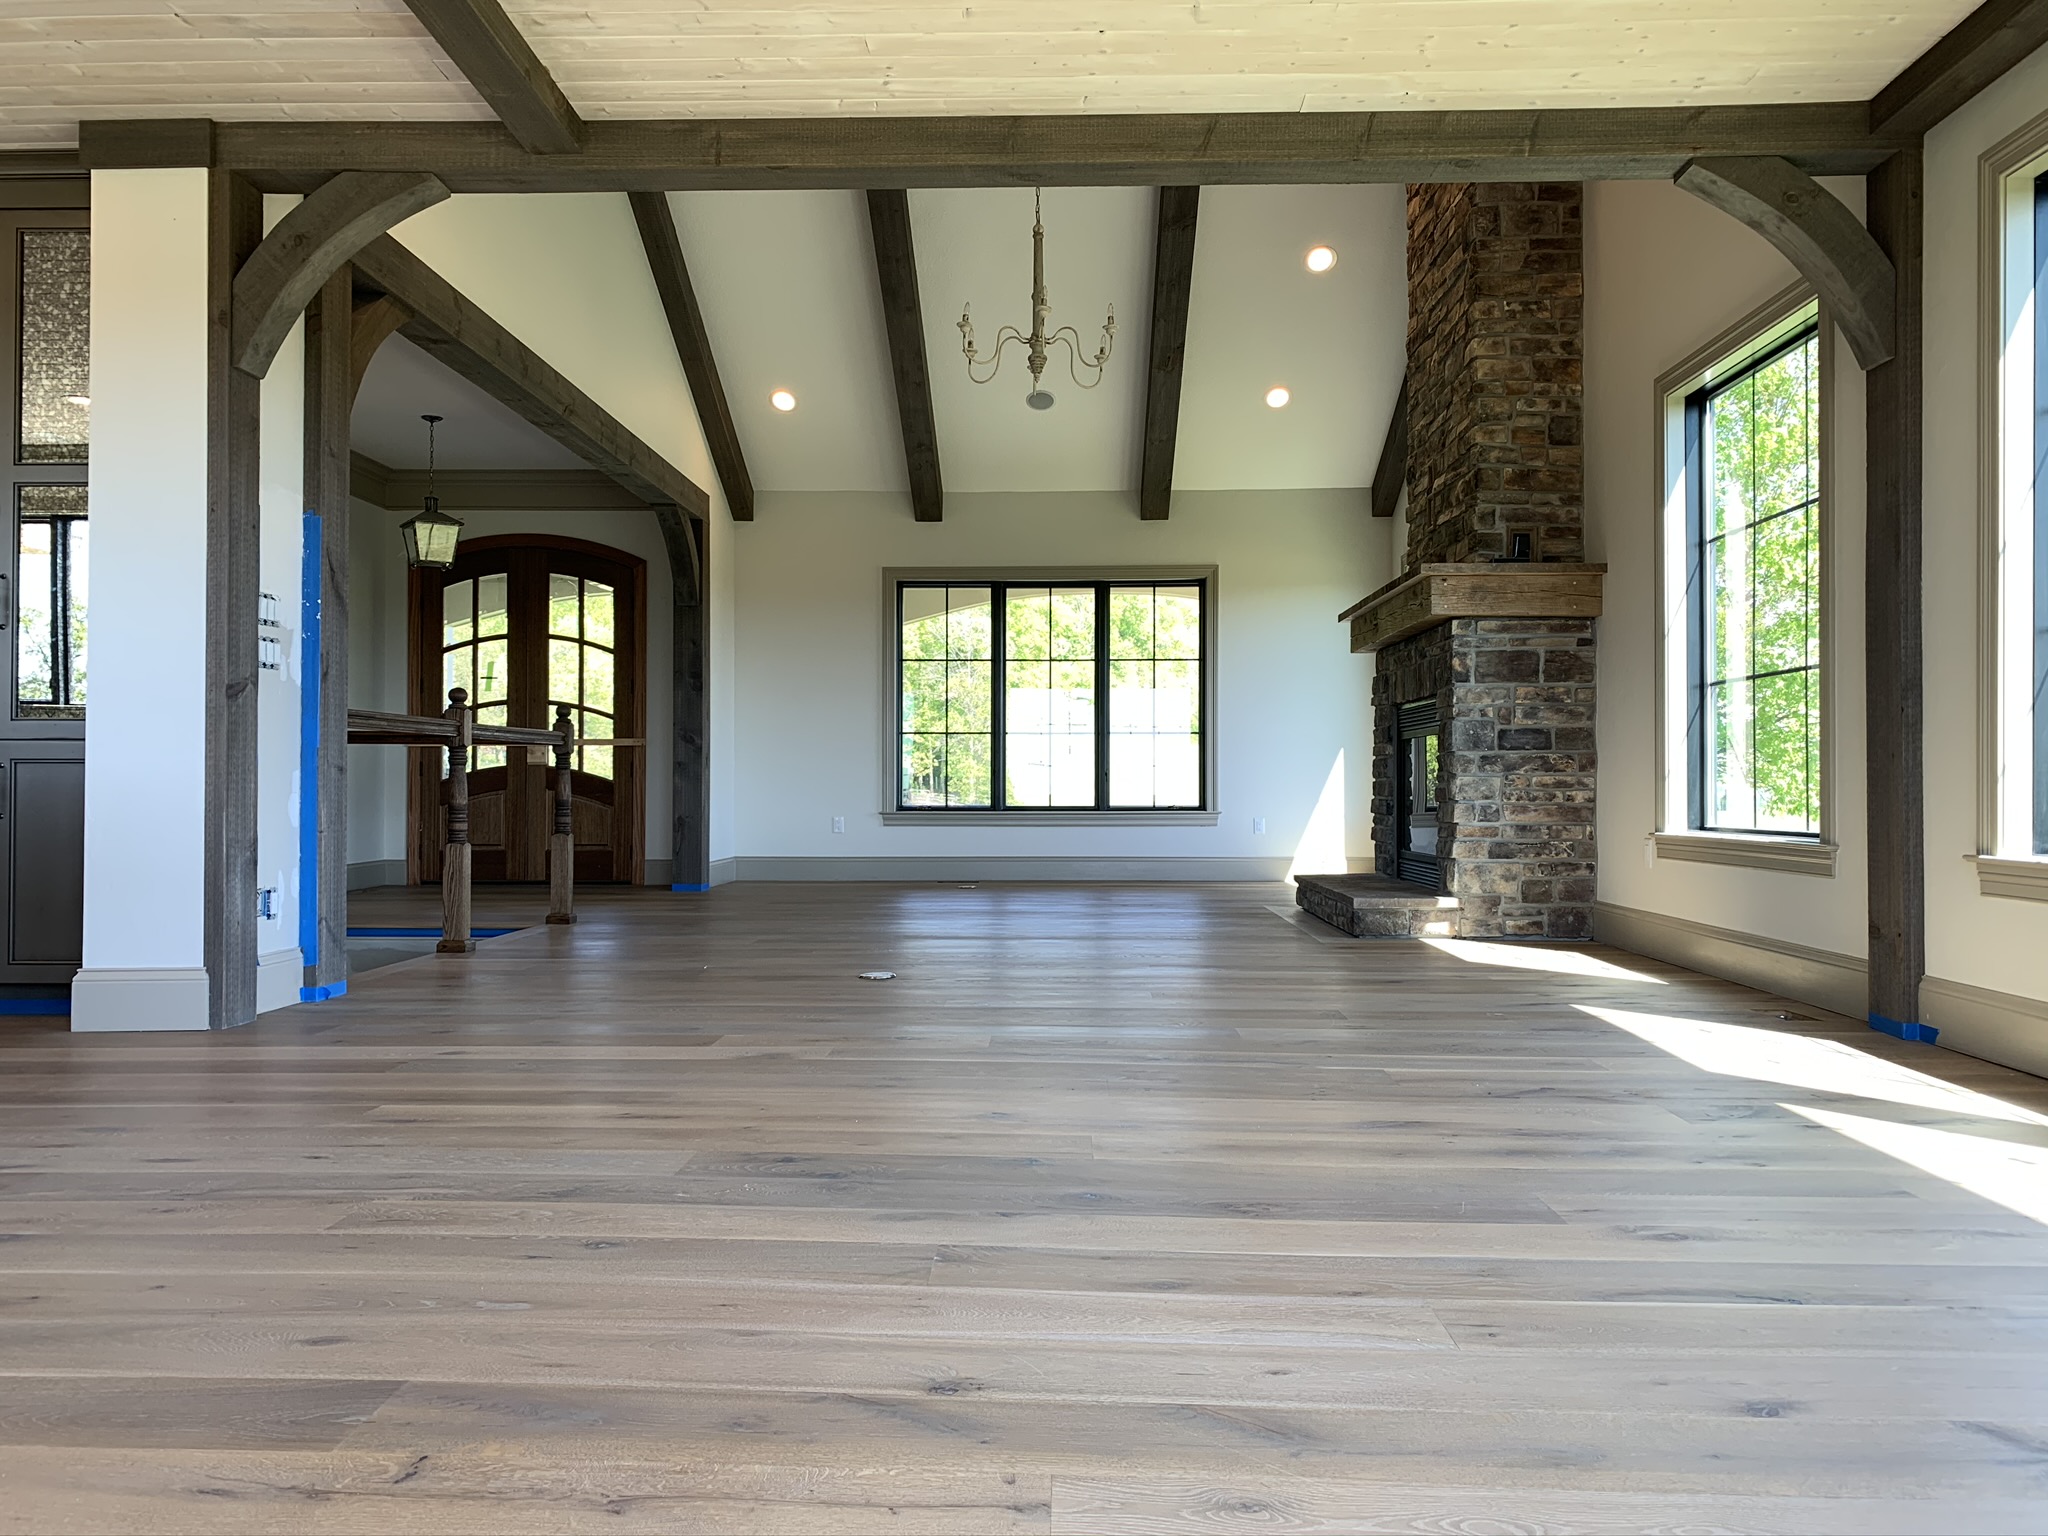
(782, 400)
(1320, 258)
(1277, 396)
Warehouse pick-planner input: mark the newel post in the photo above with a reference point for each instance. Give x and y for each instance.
(562, 842)
(455, 939)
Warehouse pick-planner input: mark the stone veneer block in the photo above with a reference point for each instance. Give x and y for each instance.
(1372, 906)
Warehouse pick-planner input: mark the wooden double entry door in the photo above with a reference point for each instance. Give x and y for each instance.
(526, 624)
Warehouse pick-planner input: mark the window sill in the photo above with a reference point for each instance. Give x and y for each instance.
(1049, 818)
(1786, 855)
(2018, 879)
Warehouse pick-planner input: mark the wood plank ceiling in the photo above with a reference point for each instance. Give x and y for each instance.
(373, 60)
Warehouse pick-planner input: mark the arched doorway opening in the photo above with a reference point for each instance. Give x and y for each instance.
(527, 622)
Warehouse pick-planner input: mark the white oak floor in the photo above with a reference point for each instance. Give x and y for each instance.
(1121, 1210)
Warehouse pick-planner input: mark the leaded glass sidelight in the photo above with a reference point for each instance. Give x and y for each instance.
(51, 570)
(54, 388)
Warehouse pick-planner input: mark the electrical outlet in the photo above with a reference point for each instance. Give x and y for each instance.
(838, 823)
(1258, 826)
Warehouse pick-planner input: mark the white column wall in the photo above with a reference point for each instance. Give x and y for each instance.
(145, 759)
(279, 963)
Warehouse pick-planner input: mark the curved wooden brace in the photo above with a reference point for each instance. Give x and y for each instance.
(372, 323)
(1823, 240)
(280, 278)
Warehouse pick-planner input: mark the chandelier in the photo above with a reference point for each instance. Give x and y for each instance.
(1038, 341)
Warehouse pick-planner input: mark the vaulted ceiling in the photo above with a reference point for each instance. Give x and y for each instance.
(63, 60)
(787, 284)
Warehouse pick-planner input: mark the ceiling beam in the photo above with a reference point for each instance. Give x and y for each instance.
(1173, 271)
(1390, 477)
(1587, 143)
(664, 249)
(1984, 45)
(489, 490)
(483, 43)
(442, 321)
(308, 246)
(1811, 228)
(903, 315)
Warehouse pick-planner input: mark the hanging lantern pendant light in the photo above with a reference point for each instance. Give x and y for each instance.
(1040, 340)
(430, 535)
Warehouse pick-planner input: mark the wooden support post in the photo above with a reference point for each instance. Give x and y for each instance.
(562, 843)
(1891, 599)
(689, 552)
(330, 391)
(455, 939)
(233, 534)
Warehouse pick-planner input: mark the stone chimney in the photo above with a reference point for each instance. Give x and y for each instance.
(1492, 618)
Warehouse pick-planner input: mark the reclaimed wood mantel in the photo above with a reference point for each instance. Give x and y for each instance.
(1432, 594)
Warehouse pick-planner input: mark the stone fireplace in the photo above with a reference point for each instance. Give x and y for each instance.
(1488, 632)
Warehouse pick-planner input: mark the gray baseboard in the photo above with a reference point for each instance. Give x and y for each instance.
(124, 998)
(376, 872)
(1995, 1026)
(1114, 871)
(1839, 983)
(724, 871)
(655, 872)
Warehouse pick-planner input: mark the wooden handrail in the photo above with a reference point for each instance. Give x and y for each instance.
(457, 730)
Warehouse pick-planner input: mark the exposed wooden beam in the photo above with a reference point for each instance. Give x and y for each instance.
(309, 245)
(1892, 674)
(657, 223)
(494, 57)
(1390, 476)
(1173, 272)
(690, 748)
(903, 315)
(444, 322)
(1826, 243)
(324, 790)
(489, 490)
(373, 323)
(1982, 46)
(1590, 143)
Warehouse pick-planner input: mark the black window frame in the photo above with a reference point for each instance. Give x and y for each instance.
(1699, 643)
(998, 588)
(2039, 695)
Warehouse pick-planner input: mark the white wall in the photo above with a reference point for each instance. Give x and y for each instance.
(1665, 274)
(812, 698)
(145, 760)
(1987, 943)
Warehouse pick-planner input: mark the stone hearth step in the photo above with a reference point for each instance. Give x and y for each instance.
(1372, 906)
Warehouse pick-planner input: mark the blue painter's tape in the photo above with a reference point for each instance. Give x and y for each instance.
(689, 887)
(424, 933)
(1920, 1034)
(322, 994)
(309, 747)
(45, 1006)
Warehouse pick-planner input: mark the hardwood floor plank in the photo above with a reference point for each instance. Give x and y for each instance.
(1125, 1209)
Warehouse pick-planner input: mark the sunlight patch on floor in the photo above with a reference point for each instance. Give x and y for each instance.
(1801, 1061)
(2004, 1172)
(1530, 957)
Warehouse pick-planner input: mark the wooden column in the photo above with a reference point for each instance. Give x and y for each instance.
(690, 805)
(455, 939)
(330, 389)
(1892, 621)
(562, 841)
(233, 584)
